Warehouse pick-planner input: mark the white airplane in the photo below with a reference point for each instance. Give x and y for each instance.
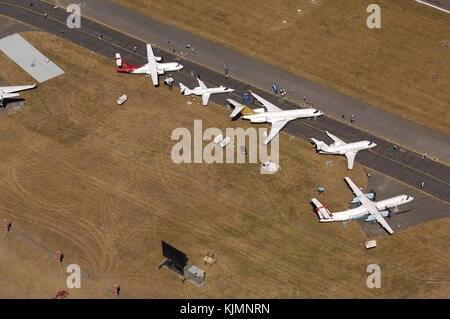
(9, 91)
(376, 210)
(270, 113)
(342, 148)
(152, 68)
(204, 91)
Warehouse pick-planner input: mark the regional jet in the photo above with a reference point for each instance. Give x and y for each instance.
(270, 113)
(204, 91)
(152, 68)
(9, 91)
(342, 148)
(376, 210)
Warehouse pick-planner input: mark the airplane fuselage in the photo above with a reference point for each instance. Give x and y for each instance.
(145, 69)
(281, 115)
(349, 147)
(200, 91)
(361, 211)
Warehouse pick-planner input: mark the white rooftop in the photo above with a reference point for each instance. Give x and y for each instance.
(29, 58)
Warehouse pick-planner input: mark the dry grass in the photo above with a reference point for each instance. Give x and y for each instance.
(96, 182)
(329, 43)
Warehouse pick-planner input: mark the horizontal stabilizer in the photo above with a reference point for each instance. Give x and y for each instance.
(118, 60)
(236, 111)
(322, 210)
(9, 95)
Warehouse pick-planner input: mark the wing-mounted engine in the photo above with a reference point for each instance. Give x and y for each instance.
(384, 213)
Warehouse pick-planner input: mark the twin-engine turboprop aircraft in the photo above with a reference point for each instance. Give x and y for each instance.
(376, 210)
(152, 68)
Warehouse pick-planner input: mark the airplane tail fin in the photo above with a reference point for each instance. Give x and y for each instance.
(322, 210)
(182, 88)
(118, 60)
(239, 108)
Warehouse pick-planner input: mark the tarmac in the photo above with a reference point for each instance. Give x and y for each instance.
(401, 164)
(260, 74)
(420, 210)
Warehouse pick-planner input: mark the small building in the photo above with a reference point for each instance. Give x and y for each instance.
(370, 244)
(270, 167)
(218, 139)
(122, 99)
(225, 141)
(195, 275)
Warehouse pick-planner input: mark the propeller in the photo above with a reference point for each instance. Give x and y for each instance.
(402, 212)
(374, 194)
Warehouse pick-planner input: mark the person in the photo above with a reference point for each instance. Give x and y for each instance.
(343, 116)
(422, 184)
(395, 147)
(45, 14)
(424, 155)
(368, 174)
(353, 118)
(134, 49)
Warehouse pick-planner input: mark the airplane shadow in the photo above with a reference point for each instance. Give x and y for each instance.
(11, 100)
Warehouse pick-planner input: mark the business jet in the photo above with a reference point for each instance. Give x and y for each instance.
(341, 148)
(204, 91)
(376, 210)
(152, 68)
(271, 114)
(7, 92)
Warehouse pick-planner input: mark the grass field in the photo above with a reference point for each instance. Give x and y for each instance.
(96, 181)
(329, 43)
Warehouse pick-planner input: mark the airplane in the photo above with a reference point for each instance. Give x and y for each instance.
(204, 91)
(270, 113)
(376, 210)
(152, 68)
(9, 91)
(342, 148)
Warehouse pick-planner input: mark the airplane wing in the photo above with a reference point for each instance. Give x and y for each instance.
(153, 69)
(354, 188)
(205, 98)
(201, 84)
(383, 222)
(276, 128)
(369, 205)
(336, 140)
(12, 89)
(269, 106)
(350, 159)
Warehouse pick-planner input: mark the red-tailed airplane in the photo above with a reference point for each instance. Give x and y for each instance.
(152, 68)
